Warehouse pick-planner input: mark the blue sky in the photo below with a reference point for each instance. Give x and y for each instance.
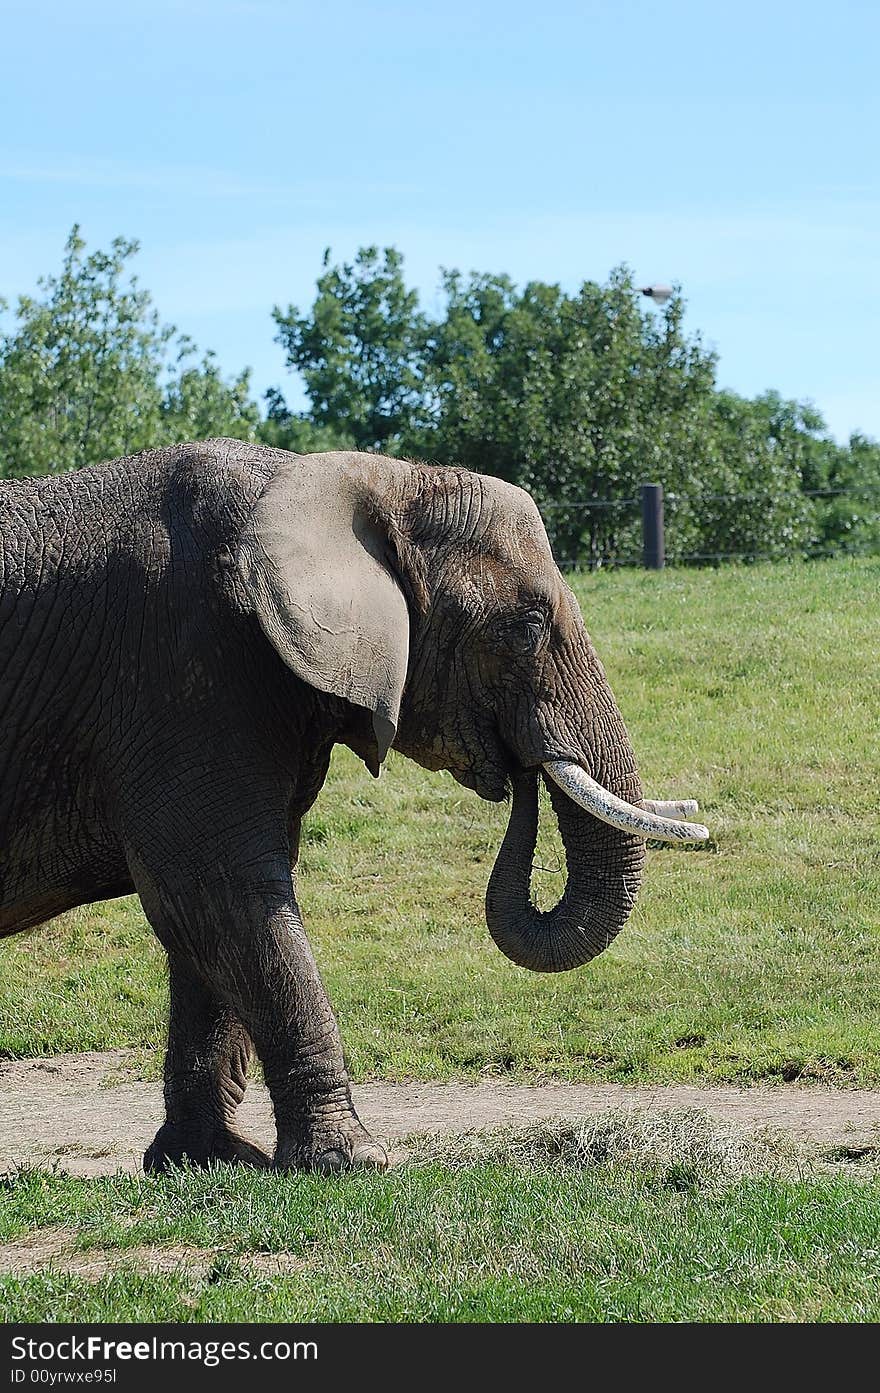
(730, 148)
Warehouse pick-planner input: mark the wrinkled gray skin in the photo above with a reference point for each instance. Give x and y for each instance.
(184, 636)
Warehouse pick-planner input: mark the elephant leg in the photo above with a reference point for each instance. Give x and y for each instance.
(243, 930)
(289, 1017)
(205, 1078)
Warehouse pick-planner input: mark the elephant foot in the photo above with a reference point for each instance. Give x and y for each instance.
(329, 1147)
(177, 1146)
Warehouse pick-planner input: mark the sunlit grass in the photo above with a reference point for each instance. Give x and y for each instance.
(487, 1241)
(754, 690)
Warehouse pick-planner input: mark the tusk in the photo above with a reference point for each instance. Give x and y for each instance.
(593, 798)
(680, 809)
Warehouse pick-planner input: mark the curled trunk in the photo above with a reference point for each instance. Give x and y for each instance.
(604, 871)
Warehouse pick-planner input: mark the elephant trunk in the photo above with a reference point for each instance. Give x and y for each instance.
(604, 871)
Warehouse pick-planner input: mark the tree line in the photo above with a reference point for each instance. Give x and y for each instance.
(579, 398)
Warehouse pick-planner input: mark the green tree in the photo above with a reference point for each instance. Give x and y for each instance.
(849, 508)
(737, 492)
(295, 431)
(90, 372)
(578, 398)
(198, 403)
(360, 350)
(79, 373)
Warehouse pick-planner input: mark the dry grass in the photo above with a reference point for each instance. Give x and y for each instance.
(703, 1150)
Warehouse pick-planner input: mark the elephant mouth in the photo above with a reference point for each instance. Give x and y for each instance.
(493, 787)
(493, 779)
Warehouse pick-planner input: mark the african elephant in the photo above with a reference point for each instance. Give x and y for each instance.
(184, 636)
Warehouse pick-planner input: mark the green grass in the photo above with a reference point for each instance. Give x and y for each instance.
(490, 1242)
(755, 690)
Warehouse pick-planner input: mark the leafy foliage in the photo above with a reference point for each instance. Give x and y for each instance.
(287, 430)
(90, 372)
(198, 403)
(580, 399)
(360, 350)
(577, 398)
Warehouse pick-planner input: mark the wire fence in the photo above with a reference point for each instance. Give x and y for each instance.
(655, 553)
(574, 563)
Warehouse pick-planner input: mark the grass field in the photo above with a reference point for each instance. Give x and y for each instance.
(521, 1235)
(755, 690)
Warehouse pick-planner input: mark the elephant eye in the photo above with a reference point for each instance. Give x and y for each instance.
(526, 634)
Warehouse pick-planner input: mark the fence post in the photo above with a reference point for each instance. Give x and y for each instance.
(653, 545)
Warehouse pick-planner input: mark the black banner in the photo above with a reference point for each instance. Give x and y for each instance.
(268, 1357)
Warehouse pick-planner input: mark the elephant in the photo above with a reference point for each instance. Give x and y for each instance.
(186, 634)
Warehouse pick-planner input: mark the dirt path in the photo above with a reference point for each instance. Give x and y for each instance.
(73, 1112)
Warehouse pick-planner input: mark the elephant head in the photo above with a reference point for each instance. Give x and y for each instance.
(429, 598)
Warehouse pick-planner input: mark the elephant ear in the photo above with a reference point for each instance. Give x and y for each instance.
(318, 564)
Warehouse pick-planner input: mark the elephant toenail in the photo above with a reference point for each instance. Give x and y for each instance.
(329, 1162)
(370, 1157)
